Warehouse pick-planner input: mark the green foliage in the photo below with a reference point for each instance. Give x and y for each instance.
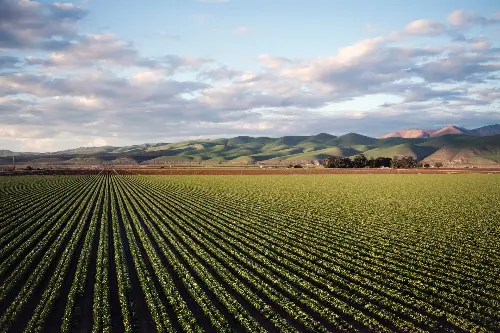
(337, 162)
(405, 162)
(359, 161)
(379, 253)
(379, 162)
(481, 150)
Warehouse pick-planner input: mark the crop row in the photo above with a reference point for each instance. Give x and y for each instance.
(405, 306)
(109, 253)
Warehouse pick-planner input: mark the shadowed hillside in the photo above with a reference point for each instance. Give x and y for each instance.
(450, 149)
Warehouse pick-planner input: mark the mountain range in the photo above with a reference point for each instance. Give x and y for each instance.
(425, 133)
(449, 145)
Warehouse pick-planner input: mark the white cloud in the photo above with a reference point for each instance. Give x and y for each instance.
(147, 77)
(425, 28)
(219, 74)
(98, 84)
(30, 24)
(97, 89)
(96, 48)
(261, 126)
(465, 19)
(43, 144)
(105, 50)
(96, 142)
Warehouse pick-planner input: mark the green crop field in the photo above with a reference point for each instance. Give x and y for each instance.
(291, 253)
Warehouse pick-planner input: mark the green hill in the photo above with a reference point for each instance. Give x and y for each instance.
(353, 139)
(246, 149)
(405, 149)
(323, 153)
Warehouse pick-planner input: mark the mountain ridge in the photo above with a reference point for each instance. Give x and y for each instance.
(452, 147)
(488, 130)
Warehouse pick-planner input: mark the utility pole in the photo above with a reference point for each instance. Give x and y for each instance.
(14, 162)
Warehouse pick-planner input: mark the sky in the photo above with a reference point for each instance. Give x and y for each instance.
(122, 72)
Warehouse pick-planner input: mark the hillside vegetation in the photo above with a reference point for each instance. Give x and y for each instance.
(448, 149)
(308, 253)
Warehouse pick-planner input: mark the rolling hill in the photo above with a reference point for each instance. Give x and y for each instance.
(406, 149)
(453, 145)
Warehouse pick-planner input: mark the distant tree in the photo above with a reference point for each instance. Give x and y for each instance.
(383, 162)
(345, 162)
(426, 165)
(405, 162)
(359, 161)
(371, 162)
(395, 162)
(297, 166)
(438, 165)
(337, 162)
(408, 162)
(379, 162)
(329, 162)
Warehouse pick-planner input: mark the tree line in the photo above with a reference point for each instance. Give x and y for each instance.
(360, 161)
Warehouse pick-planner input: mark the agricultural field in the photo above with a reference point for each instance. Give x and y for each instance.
(291, 253)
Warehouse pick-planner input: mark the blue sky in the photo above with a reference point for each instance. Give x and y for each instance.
(292, 28)
(90, 73)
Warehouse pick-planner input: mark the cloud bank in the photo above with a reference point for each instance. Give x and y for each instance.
(62, 88)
